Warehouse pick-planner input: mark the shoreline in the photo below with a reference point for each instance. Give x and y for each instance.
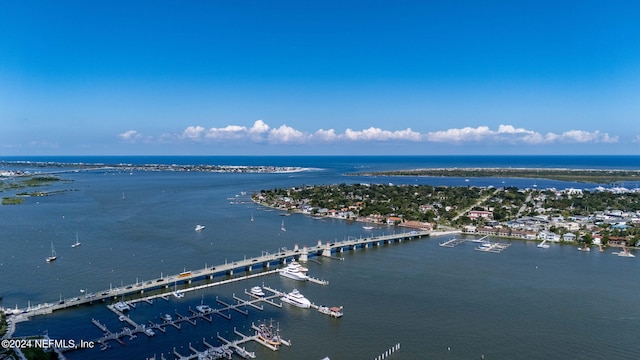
(601, 176)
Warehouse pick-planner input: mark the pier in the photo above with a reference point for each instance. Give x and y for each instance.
(326, 249)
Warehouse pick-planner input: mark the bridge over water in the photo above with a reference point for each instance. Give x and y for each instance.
(186, 278)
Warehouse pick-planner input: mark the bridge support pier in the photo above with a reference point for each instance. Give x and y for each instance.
(305, 254)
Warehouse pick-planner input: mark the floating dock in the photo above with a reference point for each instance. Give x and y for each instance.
(496, 247)
(452, 242)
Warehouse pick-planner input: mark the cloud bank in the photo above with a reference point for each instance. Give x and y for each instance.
(261, 132)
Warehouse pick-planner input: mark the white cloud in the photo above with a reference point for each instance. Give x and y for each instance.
(130, 135)
(460, 135)
(259, 127)
(227, 133)
(261, 132)
(511, 135)
(286, 134)
(377, 134)
(193, 132)
(580, 136)
(326, 135)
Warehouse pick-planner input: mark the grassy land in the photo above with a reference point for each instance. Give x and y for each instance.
(590, 176)
(12, 201)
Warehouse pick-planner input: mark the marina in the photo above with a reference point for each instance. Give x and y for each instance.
(187, 279)
(265, 335)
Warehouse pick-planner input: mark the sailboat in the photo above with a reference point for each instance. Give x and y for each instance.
(53, 256)
(123, 197)
(282, 226)
(251, 217)
(77, 243)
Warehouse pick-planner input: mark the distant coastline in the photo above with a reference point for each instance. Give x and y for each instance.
(599, 176)
(78, 166)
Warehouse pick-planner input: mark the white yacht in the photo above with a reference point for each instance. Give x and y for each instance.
(296, 265)
(295, 298)
(167, 317)
(257, 291)
(292, 272)
(199, 227)
(121, 306)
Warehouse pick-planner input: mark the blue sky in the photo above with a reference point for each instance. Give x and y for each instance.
(324, 77)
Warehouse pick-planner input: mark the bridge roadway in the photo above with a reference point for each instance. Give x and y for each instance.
(228, 268)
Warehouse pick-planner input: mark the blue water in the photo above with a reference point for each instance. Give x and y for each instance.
(438, 303)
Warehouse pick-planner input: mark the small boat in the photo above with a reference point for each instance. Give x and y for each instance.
(177, 293)
(295, 298)
(77, 243)
(624, 253)
(166, 317)
(122, 318)
(149, 332)
(203, 308)
(257, 291)
(53, 256)
(368, 227)
(584, 248)
(121, 306)
(251, 217)
(336, 312)
(199, 227)
(282, 226)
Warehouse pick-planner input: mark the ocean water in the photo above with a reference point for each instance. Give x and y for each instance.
(438, 303)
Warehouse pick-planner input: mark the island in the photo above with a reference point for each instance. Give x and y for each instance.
(597, 176)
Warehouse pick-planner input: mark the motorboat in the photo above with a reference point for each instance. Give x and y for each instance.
(624, 253)
(204, 308)
(257, 291)
(121, 306)
(166, 317)
(296, 265)
(295, 298)
(178, 294)
(293, 272)
(199, 227)
(331, 311)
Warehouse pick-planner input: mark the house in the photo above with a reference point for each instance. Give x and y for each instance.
(571, 237)
(391, 220)
(425, 226)
(475, 214)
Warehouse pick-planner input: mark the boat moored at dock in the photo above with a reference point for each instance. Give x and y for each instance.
(295, 298)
